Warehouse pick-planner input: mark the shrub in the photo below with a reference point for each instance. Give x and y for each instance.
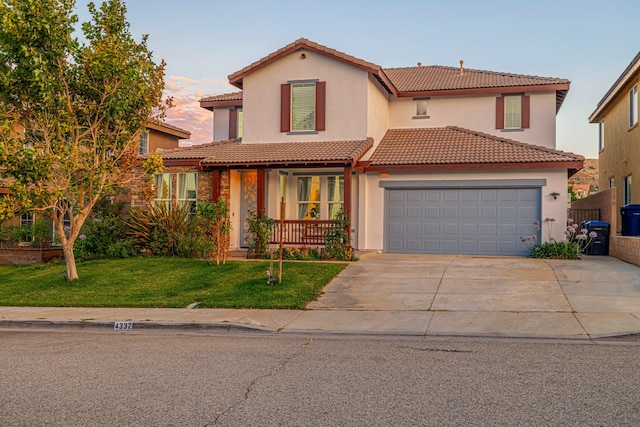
(337, 244)
(259, 227)
(576, 240)
(104, 237)
(159, 229)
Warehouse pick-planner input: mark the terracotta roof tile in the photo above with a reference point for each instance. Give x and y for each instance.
(437, 77)
(236, 153)
(233, 96)
(453, 145)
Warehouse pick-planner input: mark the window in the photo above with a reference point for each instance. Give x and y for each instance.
(633, 106)
(235, 123)
(512, 112)
(601, 134)
(626, 184)
(188, 190)
(313, 202)
(144, 142)
(302, 106)
(27, 219)
(421, 108)
(239, 127)
(611, 182)
(162, 186)
(335, 194)
(308, 196)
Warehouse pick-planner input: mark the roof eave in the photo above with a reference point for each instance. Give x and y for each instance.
(569, 165)
(629, 72)
(487, 90)
(210, 105)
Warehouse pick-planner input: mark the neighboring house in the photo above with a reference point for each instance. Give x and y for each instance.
(158, 136)
(619, 136)
(424, 159)
(585, 182)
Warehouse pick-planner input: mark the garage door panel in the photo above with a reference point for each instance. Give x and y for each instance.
(413, 228)
(460, 220)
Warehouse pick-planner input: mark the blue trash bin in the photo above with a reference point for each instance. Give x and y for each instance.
(598, 245)
(630, 220)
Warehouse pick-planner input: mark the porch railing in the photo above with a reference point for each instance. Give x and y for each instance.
(301, 232)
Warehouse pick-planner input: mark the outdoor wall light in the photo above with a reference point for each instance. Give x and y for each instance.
(554, 195)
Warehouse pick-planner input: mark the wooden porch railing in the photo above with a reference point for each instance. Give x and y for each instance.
(301, 232)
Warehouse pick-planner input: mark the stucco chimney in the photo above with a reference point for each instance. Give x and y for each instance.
(461, 67)
(419, 64)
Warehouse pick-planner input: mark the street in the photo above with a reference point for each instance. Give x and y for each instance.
(72, 378)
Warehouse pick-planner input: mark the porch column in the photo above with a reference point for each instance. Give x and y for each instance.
(216, 185)
(260, 190)
(347, 195)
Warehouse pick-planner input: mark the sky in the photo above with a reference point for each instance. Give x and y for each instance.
(587, 42)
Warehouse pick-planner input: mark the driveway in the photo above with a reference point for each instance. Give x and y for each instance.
(477, 294)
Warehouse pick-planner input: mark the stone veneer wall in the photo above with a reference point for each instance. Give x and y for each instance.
(205, 184)
(625, 248)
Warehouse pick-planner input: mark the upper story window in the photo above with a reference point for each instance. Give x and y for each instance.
(162, 186)
(512, 112)
(612, 182)
(633, 106)
(421, 108)
(235, 123)
(144, 142)
(601, 134)
(303, 106)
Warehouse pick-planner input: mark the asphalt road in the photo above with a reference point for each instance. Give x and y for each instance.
(117, 379)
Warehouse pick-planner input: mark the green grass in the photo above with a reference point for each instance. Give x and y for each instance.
(165, 282)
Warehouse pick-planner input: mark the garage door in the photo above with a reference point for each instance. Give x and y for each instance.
(485, 221)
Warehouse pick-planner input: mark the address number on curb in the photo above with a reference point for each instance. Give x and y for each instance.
(123, 326)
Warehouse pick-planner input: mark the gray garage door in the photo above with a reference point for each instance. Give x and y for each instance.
(488, 221)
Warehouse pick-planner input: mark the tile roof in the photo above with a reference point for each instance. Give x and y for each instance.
(301, 43)
(455, 146)
(229, 153)
(437, 77)
(233, 96)
(170, 129)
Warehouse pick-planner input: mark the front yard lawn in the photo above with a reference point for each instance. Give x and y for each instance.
(165, 282)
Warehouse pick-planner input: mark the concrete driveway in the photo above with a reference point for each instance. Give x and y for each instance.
(465, 294)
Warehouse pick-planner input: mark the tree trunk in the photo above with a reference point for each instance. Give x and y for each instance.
(70, 260)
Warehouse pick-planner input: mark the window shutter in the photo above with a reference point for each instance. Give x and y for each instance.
(321, 101)
(233, 123)
(499, 112)
(526, 112)
(285, 107)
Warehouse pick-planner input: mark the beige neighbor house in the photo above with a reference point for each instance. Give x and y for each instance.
(158, 136)
(423, 159)
(619, 159)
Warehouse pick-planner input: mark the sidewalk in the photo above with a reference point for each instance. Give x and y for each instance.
(414, 295)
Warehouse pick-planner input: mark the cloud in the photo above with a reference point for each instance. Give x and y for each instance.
(186, 112)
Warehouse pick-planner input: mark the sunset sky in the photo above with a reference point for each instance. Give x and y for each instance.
(203, 41)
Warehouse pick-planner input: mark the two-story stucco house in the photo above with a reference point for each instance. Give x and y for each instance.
(423, 159)
(619, 136)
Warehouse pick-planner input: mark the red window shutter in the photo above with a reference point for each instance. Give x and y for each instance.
(499, 112)
(233, 123)
(525, 112)
(285, 107)
(321, 102)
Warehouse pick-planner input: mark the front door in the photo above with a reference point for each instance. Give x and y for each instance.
(249, 181)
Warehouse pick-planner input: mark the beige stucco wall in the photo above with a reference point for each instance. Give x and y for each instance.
(371, 221)
(346, 97)
(377, 113)
(479, 113)
(620, 155)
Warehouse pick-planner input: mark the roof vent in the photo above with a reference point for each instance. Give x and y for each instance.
(461, 67)
(419, 64)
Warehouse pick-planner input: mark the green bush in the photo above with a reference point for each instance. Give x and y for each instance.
(259, 227)
(104, 237)
(557, 250)
(337, 244)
